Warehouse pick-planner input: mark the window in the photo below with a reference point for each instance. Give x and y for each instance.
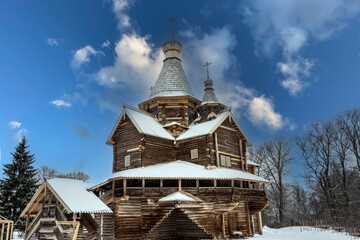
(127, 160)
(228, 161)
(223, 160)
(194, 153)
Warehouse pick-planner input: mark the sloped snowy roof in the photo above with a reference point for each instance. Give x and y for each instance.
(76, 197)
(203, 128)
(186, 170)
(180, 196)
(144, 122)
(249, 162)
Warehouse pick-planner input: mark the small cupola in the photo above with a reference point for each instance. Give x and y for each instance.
(210, 106)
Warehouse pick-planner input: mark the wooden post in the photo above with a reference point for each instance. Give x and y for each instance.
(124, 187)
(241, 155)
(248, 217)
(27, 225)
(217, 150)
(197, 187)
(142, 187)
(12, 228)
(2, 231)
(8, 231)
(162, 187)
(223, 224)
(101, 224)
(260, 223)
(179, 184)
(113, 188)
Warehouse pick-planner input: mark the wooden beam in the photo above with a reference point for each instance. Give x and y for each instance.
(101, 224)
(227, 128)
(27, 225)
(124, 187)
(241, 155)
(260, 223)
(217, 150)
(2, 231)
(179, 184)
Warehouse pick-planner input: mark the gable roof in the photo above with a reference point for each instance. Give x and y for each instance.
(184, 170)
(147, 124)
(144, 122)
(208, 127)
(72, 194)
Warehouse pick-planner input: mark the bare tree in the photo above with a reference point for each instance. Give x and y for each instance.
(316, 148)
(274, 156)
(349, 124)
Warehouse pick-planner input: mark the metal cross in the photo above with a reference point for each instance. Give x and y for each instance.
(207, 69)
(172, 26)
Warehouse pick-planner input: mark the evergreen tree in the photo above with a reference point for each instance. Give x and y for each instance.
(19, 184)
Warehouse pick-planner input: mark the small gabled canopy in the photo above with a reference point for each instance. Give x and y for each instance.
(180, 196)
(72, 194)
(209, 127)
(144, 122)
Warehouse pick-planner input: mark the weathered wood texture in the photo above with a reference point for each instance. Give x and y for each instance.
(126, 137)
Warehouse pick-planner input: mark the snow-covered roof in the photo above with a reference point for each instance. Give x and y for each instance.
(186, 170)
(144, 122)
(76, 197)
(180, 196)
(249, 162)
(203, 128)
(174, 123)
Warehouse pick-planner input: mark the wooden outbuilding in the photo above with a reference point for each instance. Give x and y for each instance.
(6, 228)
(63, 209)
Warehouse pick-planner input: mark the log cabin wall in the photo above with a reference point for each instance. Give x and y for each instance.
(158, 150)
(204, 146)
(172, 109)
(126, 143)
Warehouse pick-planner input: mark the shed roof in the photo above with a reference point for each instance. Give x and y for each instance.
(249, 162)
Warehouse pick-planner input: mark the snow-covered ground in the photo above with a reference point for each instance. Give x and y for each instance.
(301, 233)
(289, 233)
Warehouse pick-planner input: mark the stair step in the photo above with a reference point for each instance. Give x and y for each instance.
(47, 229)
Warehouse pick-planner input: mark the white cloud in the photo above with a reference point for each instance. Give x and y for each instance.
(14, 124)
(289, 25)
(82, 56)
(20, 134)
(106, 44)
(60, 103)
(294, 71)
(52, 42)
(136, 64)
(120, 8)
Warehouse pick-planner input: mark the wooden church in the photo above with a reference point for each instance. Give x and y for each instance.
(179, 169)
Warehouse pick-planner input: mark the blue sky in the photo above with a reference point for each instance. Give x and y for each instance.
(66, 67)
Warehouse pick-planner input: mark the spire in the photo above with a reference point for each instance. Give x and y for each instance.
(209, 95)
(172, 80)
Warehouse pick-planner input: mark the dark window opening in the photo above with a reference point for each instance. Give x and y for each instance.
(206, 183)
(188, 183)
(245, 184)
(119, 183)
(223, 183)
(133, 183)
(170, 183)
(237, 183)
(152, 183)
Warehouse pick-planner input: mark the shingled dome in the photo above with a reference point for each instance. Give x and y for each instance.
(172, 80)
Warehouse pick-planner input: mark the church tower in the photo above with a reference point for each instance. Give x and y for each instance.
(171, 98)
